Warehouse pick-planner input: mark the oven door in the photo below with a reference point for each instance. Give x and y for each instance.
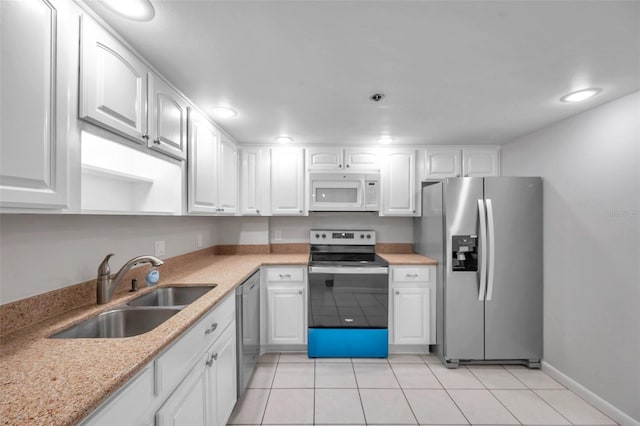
(348, 297)
(337, 195)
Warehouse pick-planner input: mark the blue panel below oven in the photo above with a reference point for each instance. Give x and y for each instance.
(348, 343)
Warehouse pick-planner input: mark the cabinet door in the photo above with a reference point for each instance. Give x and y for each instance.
(113, 86)
(202, 161)
(399, 183)
(167, 119)
(286, 319)
(480, 162)
(411, 316)
(251, 181)
(222, 377)
(188, 404)
(227, 177)
(443, 163)
(33, 141)
(287, 181)
(130, 405)
(361, 158)
(325, 159)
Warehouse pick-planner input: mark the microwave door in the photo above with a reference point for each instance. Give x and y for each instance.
(337, 195)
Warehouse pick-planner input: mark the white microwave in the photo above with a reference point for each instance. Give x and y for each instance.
(330, 191)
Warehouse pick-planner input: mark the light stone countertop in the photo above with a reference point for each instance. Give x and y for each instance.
(60, 381)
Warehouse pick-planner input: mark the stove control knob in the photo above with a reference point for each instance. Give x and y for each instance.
(324, 235)
(361, 235)
(368, 236)
(317, 235)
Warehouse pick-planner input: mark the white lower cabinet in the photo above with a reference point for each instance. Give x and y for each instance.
(188, 404)
(286, 313)
(194, 381)
(207, 395)
(412, 305)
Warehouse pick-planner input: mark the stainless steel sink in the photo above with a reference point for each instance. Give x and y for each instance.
(123, 322)
(172, 296)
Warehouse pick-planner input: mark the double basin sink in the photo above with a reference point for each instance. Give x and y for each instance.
(138, 316)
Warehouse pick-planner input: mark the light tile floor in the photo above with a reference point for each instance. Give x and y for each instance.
(291, 389)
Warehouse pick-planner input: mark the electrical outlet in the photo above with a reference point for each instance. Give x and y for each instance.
(278, 235)
(200, 240)
(160, 248)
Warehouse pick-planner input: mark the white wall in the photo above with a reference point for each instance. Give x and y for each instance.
(243, 230)
(590, 164)
(40, 253)
(296, 229)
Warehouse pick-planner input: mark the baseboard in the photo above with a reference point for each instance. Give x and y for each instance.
(409, 349)
(606, 407)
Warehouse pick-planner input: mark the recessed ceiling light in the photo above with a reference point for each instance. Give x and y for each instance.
(284, 139)
(224, 112)
(580, 95)
(138, 10)
(386, 140)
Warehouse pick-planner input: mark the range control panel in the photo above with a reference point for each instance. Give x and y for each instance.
(343, 237)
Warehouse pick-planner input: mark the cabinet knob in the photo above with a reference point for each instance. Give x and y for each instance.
(145, 136)
(348, 166)
(211, 329)
(299, 291)
(156, 141)
(466, 175)
(458, 175)
(397, 292)
(340, 165)
(257, 211)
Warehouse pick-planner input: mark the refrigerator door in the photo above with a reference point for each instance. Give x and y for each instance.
(513, 307)
(464, 313)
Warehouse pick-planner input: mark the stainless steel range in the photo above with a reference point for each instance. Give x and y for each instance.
(348, 295)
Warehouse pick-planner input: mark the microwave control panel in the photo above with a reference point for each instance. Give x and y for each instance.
(371, 193)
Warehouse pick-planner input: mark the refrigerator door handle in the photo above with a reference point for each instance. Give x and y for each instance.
(483, 247)
(492, 248)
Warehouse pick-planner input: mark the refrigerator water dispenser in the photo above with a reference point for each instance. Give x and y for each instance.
(464, 256)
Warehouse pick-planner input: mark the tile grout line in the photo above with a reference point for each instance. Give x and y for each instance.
(270, 388)
(404, 394)
(448, 394)
(355, 377)
(578, 396)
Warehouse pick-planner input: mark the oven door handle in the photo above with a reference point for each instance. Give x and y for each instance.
(348, 270)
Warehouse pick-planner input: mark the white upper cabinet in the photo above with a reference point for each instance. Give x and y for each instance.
(227, 176)
(254, 181)
(361, 158)
(202, 162)
(287, 181)
(167, 118)
(212, 168)
(113, 84)
(455, 162)
(399, 183)
(478, 162)
(443, 163)
(36, 58)
(336, 159)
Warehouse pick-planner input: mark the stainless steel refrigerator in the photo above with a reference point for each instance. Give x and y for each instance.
(486, 234)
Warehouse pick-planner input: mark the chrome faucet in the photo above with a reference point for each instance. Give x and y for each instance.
(106, 284)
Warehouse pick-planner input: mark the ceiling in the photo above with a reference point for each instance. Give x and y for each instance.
(453, 72)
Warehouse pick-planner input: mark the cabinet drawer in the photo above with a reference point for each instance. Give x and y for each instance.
(285, 274)
(411, 274)
(175, 362)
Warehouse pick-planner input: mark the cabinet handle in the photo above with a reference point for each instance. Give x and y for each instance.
(411, 275)
(222, 209)
(300, 211)
(145, 136)
(211, 329)
(285, 275)
(210, 361)
(156, 141)
(257, 211)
